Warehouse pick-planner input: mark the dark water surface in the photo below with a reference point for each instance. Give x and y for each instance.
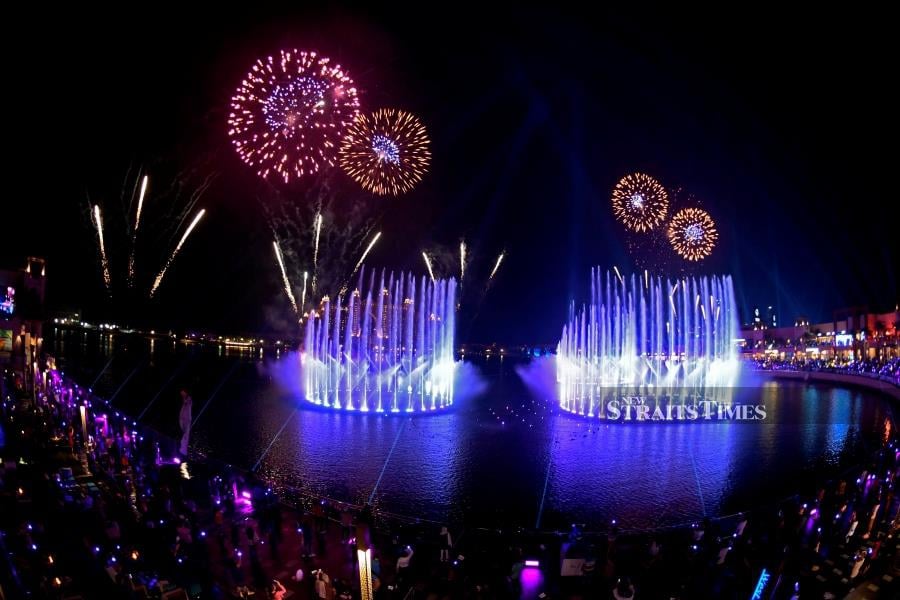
(500, 458)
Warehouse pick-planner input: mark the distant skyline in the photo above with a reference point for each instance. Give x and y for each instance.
(775, 123)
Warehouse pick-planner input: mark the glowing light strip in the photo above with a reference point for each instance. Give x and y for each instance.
(760, 585)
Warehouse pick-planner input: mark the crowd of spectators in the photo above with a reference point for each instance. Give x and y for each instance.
(92, 505)
(883, 370)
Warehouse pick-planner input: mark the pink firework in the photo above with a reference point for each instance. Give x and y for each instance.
(290, 112)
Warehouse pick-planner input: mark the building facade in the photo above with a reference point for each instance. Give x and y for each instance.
(22, 293)
(853, 334)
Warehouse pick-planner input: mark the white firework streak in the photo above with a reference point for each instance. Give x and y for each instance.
(137, 219)
(284, 277)
(497, 265)
(175, 252)
(318, 226)
(303, 293)
(365, 254)
(462, 260)
(137, 224)
(104, 262)
(428, 264)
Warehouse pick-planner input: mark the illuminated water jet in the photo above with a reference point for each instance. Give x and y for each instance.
(647, 335)
(384, 347)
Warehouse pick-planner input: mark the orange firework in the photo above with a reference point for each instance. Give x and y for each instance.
(386, 152)
(640, 202)
(692, 233)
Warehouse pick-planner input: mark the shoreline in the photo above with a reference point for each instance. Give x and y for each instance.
(870, 383)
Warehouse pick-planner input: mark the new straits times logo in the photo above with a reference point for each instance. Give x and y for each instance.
(641, 408)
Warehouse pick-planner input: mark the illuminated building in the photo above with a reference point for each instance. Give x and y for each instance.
(853, 334)
(21, 314)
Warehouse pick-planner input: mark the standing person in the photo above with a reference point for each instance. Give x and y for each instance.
(346, 525)
(184, 421)
(742, 524)
(276, 590)
(321, 585)
(256, 566)
(307, 530)
(854, 522)
(446, 544)
(403, 561)
(872, 518)
(321, 538)
(858, 562)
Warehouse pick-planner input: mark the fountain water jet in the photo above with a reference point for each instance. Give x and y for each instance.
(385, 347)
(648, 335)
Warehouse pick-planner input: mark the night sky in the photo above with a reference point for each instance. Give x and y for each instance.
(781, 125)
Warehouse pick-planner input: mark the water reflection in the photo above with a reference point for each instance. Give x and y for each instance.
(502, 457)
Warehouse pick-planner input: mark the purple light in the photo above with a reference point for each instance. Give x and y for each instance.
(386, 149)
(531, 580)
(246, 494)
(693, 232)
(532, 563)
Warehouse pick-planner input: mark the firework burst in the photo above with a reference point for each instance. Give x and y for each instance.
(152, 224)
(692, 233)
(640, 202)
(290, 113)
(321, 239)
(386, 152)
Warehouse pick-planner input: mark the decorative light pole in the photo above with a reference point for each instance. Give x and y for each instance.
(364, 557)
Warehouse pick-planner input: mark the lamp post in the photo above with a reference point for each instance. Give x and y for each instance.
(364, 557)
(83, 412)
